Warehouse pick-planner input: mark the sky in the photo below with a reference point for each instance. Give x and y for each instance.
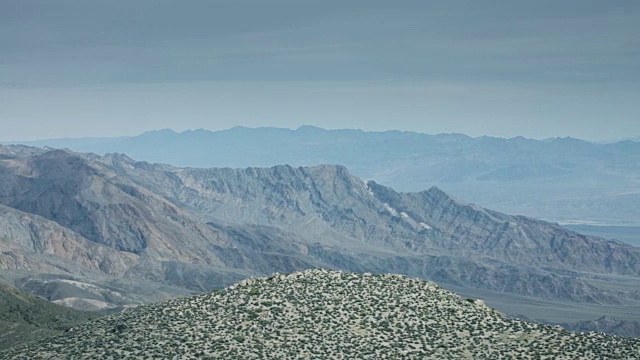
(503, 68)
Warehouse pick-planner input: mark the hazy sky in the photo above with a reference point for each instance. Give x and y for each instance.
(492, 67)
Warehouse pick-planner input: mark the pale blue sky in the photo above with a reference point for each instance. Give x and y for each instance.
(495, 67)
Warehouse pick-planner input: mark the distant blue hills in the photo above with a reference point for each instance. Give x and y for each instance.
(558, 179)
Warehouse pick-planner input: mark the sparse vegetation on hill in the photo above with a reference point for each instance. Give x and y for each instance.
(320, 314)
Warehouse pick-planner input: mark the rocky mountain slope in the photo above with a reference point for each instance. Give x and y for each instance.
(24, 317)
(332, 211)
(606, 325)
(562, 179)
(319, 314)
(101, 232)
(106, 222)
(325, 200)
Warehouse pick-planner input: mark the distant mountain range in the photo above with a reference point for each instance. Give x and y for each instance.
(107, 232)
(561, 179)
(319, 314)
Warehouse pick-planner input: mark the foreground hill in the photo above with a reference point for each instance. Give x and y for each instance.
(108, 232)
(319, 314)
(24, 317)
(556, 179)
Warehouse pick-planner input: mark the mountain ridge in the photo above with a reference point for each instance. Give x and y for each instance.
(173, 231)
(559, 179)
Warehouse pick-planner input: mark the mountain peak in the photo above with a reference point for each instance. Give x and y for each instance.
(57, 153)
(118, 158)
(436, 191)
(19, 150)
(163, 132)
(166, 131)
(310, 129)
(439, 194)
(569, 141)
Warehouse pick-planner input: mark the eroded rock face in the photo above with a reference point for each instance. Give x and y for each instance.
(63, 211)
(28, 239)
(325, 202)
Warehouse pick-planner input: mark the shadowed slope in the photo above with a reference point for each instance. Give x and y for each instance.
(25, 318)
